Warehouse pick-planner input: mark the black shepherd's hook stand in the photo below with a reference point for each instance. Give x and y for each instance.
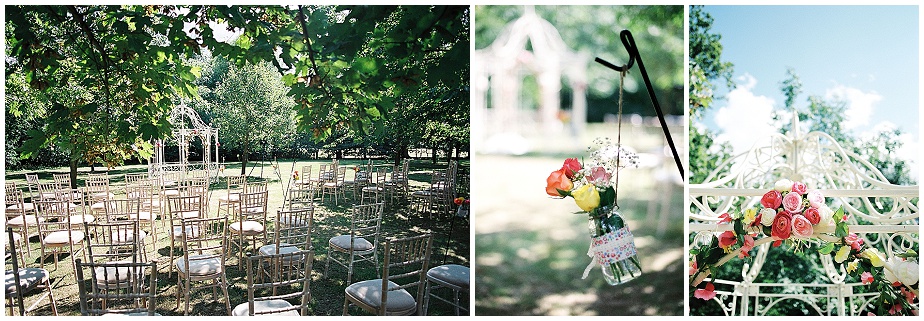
(632, 49)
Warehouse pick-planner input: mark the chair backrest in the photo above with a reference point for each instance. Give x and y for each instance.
(341, 175)
(185, 206)
(323, 173)
(284, 276)
(54, 215)
(380, 174)
(15, 258)
(120, 209)
(62, 180)
(98, 298)
(367, 221)
(305, 175)
(195, 186)
(46, 190)
(146, 192)
(133, 178)
(97, 187)
(300, 196)
(406, 263)
(32, 182)
(253, 206)
(235, 184)
(293, 227)
(203, 239)
(113, 241)
(13, 197)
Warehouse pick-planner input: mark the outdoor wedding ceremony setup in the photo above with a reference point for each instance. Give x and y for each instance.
(237, 160)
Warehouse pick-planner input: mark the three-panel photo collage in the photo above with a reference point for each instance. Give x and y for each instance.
(472, 160)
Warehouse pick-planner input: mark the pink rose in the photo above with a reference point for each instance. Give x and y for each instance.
(693, 267)
(747, 246)
(782, 225)
(854, 241)
(798, 188)
(815, 198)
(866, 278)
(571, 166)
(599, 176)
(706, 293)
(812, 215)
(772, 199)
(801, 227)
(792, 202)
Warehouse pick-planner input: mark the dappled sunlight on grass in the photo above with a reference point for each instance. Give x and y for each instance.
(530, 250)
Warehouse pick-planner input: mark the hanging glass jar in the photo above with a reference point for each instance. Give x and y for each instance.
(612, 246)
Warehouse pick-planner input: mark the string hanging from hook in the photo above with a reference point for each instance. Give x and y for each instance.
(622, 78)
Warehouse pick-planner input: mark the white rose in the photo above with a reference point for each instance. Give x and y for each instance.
(827, 216)
(905, 272)
(767, 216)
(783, 185)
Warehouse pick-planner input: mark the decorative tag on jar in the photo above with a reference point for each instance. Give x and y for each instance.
(610, 248)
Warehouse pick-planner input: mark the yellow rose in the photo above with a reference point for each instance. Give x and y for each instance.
(852, 266)
(749, 216)
(874, 257)
(842, 254)
(586, 197)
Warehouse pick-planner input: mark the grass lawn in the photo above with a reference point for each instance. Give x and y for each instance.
(449, 246)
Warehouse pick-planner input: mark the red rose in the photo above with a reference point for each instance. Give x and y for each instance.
(773, 199)
(571, 166)
(727, 239)
(812, 215)
(799, 188)
(782, 225)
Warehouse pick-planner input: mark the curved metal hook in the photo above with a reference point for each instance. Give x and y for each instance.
(631, 49)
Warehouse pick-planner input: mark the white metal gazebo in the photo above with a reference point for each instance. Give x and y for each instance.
(529, 46)
(883, 214)
(187, 126)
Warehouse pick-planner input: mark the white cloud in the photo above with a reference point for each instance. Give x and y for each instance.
(746, 118)
(860, 104)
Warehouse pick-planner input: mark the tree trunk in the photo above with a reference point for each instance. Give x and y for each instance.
(73, 166)
(433, 154)
(245, 157)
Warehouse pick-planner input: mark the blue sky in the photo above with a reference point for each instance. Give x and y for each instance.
(867, 56)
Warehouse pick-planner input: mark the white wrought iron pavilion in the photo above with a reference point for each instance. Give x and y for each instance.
(883, 214)
(187, 126)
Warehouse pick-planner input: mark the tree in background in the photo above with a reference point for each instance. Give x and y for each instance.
(344, 66)
(706, 66)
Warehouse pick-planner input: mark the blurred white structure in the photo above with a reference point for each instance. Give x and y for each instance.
(529, 46)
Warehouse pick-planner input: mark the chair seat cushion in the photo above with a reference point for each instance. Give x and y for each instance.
(200, 265)
(29, 278)
(424, 193)
(142, 216)
(453, 274)
(233, 198)
(372, 189)
(246, 227)
(284, 248)
(370, 293)
(16, 208)
(61, 237)
(125, 236)
(102, 195)
(343, 242)
(131, 314)
(28, 219)
(111, 275)
(292, 221)
(171, 192)
(80, 219)
(243, 309)
(192, 231)
(189, 214)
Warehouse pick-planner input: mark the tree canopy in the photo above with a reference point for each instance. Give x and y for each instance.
(111, 74)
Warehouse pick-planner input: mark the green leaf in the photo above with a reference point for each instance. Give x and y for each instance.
(840, 229)
(826, 249)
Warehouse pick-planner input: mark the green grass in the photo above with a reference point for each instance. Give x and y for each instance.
(449, 246)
